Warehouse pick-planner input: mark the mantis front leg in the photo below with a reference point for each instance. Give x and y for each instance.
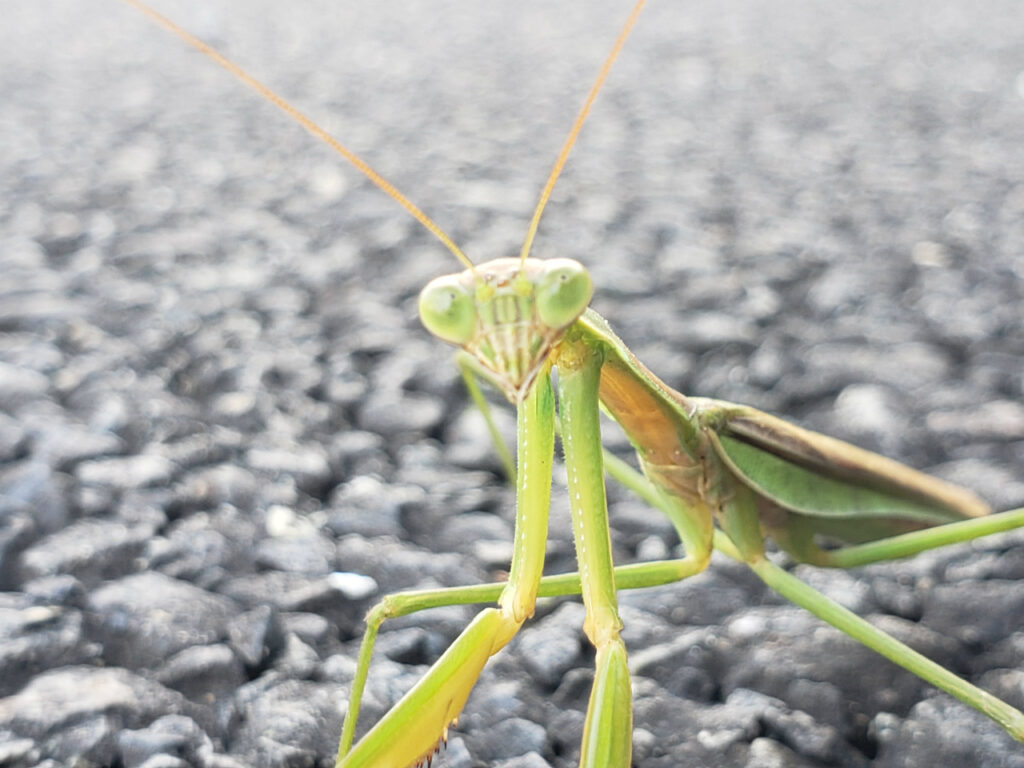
(410, 732)
(610, 705)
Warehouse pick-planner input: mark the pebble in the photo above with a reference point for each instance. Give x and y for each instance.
(203, 672)
(91, 550)
(256, 635)
(145, 618)
(551, 649)
(126, 472)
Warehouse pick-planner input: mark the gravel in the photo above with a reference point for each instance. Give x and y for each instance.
(223, 434)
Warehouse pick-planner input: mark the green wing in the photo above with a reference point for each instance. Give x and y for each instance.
(808, 484)
(840, 490)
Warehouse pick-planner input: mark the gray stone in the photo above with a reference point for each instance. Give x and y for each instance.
(222, 761)
(207, 487)
(17, 752)
(469, 532)
(311, 628)
(144, 619)
(12, 439)
(289, 724)
(202, 547)
(33, 488)
(306, 463)
(91, 740)
(822, 700)
(942, 731)
(203, 672)
(174, 737)
(791, 643)
(899, 597)
(352, 450)
(798, 729)
(17, 531)
(293, 592)
(997, 419)
(62, 590)
(62, 697)
(468, 442)
(455, 754)
(765, 753)
(367, 506)
(529, 760)
(124, 472)
(501, 699)
(90, 550)
(565, 732)
(1008, 682)
(392, 414)
(165, 761)
(20, 385)
(65, 445)
(34, 638)
(312, 554)
(511, 738)
(401, 567)
(682, 666)
(553, 648)
(977, 613)
(297, 660)
(256, 635)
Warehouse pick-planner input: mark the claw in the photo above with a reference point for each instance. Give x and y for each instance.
(413, 731)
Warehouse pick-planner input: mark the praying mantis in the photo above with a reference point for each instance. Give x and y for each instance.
(718, 444)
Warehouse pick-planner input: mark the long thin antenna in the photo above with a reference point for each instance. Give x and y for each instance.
(308, 124)
(576, 126)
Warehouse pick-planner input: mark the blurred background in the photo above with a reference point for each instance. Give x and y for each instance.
(223, 434)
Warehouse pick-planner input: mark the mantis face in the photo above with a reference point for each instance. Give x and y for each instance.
(508, 314)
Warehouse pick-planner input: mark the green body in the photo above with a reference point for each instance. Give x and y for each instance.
(728, 477)
(807, 484)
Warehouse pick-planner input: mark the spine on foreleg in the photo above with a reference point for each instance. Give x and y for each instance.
(412, 731)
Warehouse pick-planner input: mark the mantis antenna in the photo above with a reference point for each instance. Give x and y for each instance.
(570, 140)
(309, 125)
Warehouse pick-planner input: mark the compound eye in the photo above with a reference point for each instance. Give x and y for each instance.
(447, 310)
(563, 292)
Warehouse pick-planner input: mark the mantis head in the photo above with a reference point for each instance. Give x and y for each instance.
(508, 314)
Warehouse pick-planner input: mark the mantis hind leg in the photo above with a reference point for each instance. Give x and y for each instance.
(908, 544)
(741, 539)
(861, 630)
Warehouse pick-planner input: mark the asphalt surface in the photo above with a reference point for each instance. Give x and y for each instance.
(215, 396)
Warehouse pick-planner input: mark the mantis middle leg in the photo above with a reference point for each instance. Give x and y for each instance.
(633, 576)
